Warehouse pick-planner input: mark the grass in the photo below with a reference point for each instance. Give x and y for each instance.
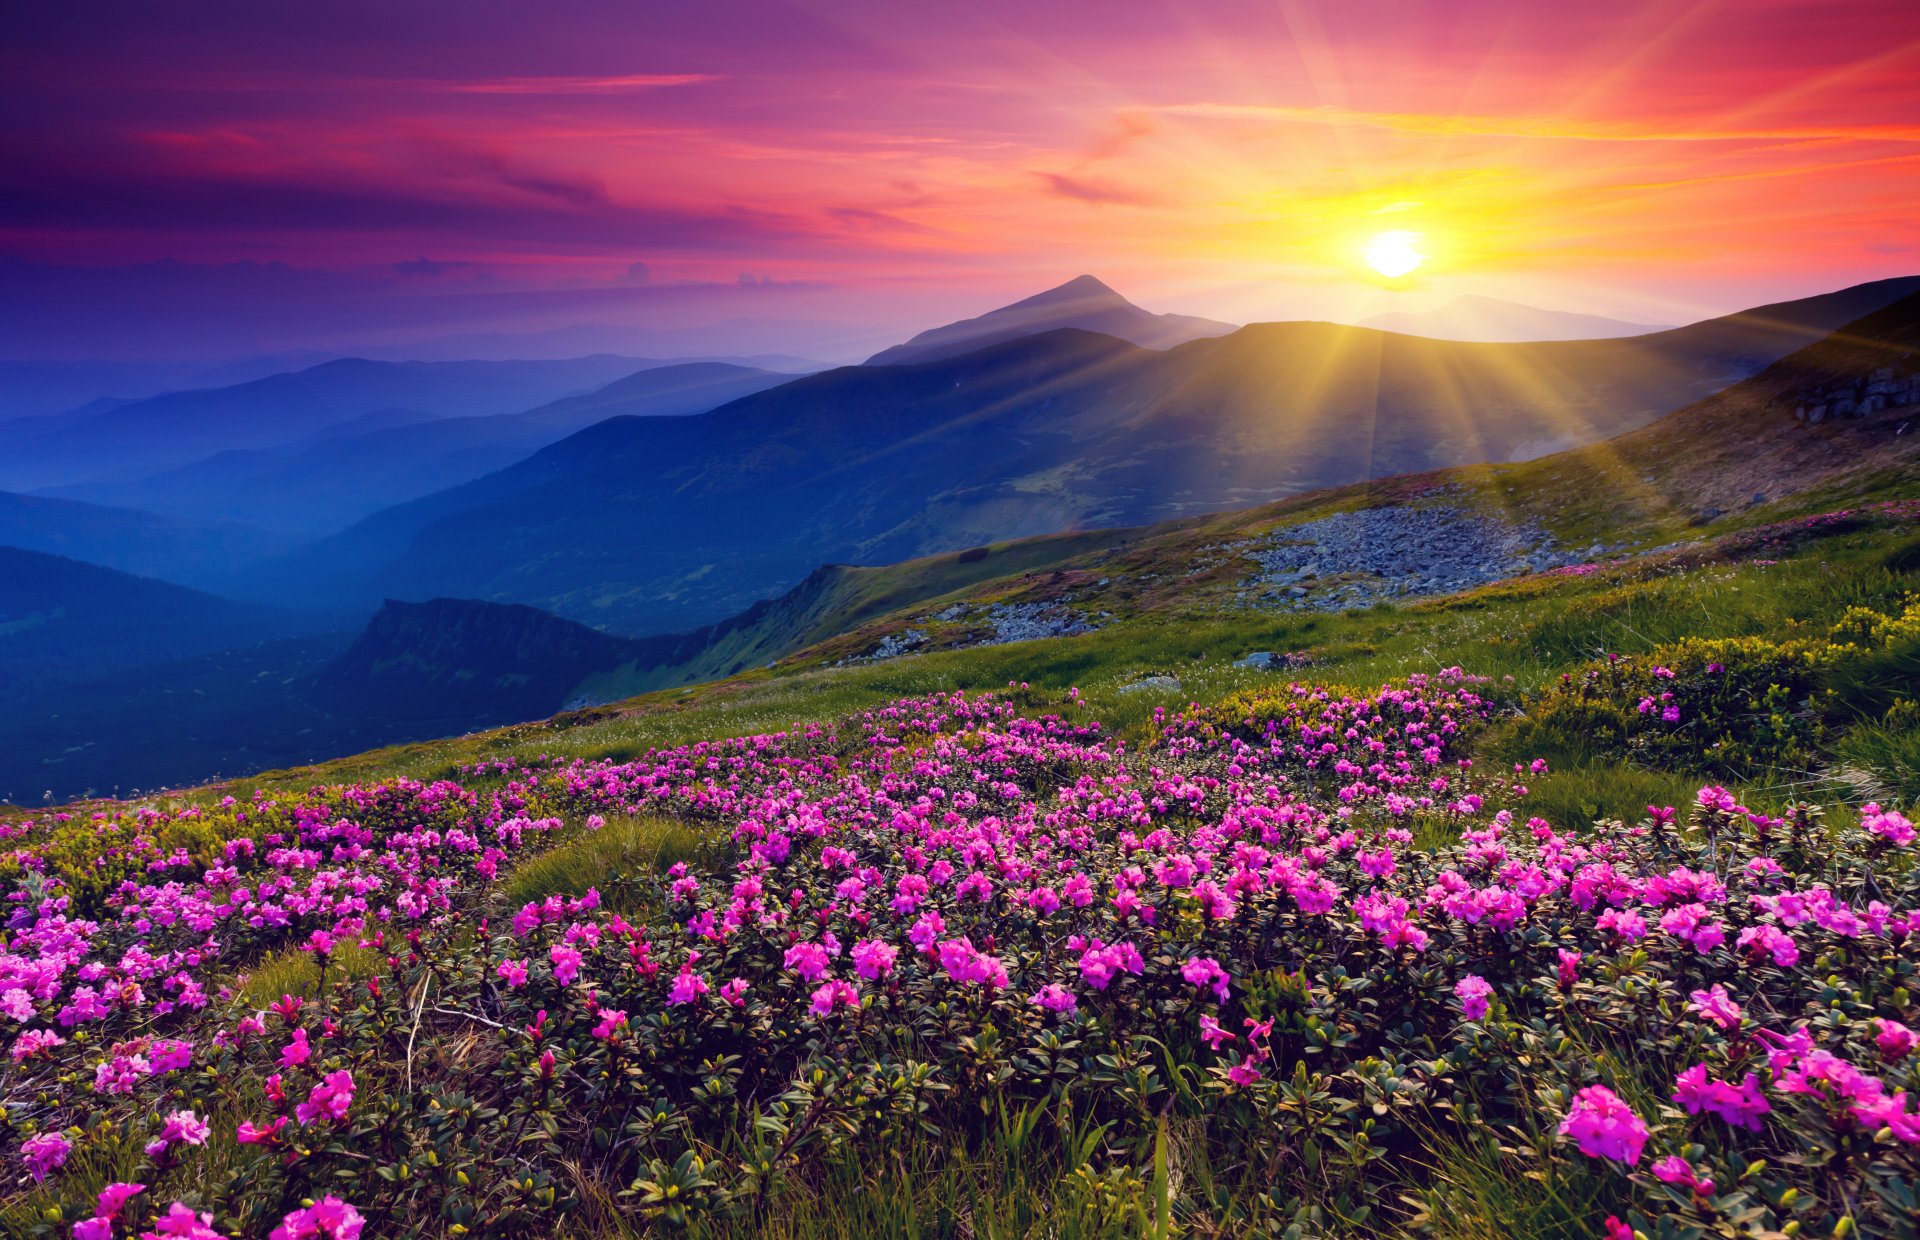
(295, 972)
(620, 860)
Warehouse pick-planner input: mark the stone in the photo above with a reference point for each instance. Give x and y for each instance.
(1259, 660)
(1170, 684)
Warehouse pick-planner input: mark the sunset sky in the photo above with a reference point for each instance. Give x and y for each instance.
(900, 163)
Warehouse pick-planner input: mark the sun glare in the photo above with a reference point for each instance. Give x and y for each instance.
(1394, 254)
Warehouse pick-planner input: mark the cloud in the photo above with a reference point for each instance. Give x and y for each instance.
(572, 85)
(1443, 124)
(424, 267)
(1100, 193)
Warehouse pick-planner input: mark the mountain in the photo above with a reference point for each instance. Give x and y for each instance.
(190, 552)
(1081, 302)
(1489, 319)
(644, 525)
(136, 438)
(62, 621)
(1838, 415)
(349, 469)
(449, 665)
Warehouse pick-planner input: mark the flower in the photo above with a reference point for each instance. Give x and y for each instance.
(44, 1153)
(873, 959)
(808, 960)
(326, 1219)
(1473, 991)
(832, 994)
(1741, 1105)
(1055, 998)
(296, 1052)
(181, 1128)
(1204, 971)
(1895, 1040)
(114, 1197)
(179, 1220)
(1716, 1006)
(1888, 825)
(1246, 1072)
(687, 987)
(250, 1133)
(1674, 1169)
(1604, 1127)
(513, 973)
(329, 1099)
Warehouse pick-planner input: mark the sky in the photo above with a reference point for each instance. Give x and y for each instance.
(229, 175)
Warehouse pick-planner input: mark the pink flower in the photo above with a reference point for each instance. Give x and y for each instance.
(832, 994)
(566, 963)
(1473, 991)
(44, 1153)
(1741, 1105)
(873, 959)
(182, 1128)
(181, 1221)
(1212, 1034)
(687, 987)
(296, 1052)
(1889, 826)
(95, 1228)
(1674, 1169)
(1246, 1072)
(1717, 1006)
(114, 1197)
(329, 1099)
(1604, 1127)
(1569, 968)
(612, 1020)
(1055, 998)
(513, 973)
(1205, 971)
(1770, 941)
(733, 991)
(808, 960)
(326, 1219)
(1614, 1229)
(250, 1133)
(1895, 1040)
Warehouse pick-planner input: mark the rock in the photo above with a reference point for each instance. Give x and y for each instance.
(1170, 684)
(1259, 660)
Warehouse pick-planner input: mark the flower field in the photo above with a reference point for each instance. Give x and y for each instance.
(1303, 963)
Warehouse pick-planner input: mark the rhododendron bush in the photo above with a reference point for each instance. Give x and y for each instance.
(1314, 950)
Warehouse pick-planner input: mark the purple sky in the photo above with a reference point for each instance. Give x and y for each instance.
(246, 176)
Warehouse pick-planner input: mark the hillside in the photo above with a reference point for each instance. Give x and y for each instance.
(1493, 320)
(136, 438)
(348, 470)
(191, 552)
(63, 622)
(1059, 431)
(1082, 302)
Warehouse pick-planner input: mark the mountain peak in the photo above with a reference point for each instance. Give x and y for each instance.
(1085, 302)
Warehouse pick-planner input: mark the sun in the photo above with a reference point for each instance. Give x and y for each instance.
(1394, 253)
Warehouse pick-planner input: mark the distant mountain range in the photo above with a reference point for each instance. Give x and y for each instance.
(444, 666)
(1082, 302)
(137, 438)
(195, 553)
(63, 622)
(641, 525)
(1491, 320)
(349, 469)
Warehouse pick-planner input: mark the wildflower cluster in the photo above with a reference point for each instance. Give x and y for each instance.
(1305, 928)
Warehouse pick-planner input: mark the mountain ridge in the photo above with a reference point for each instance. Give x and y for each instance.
(1083, 302)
